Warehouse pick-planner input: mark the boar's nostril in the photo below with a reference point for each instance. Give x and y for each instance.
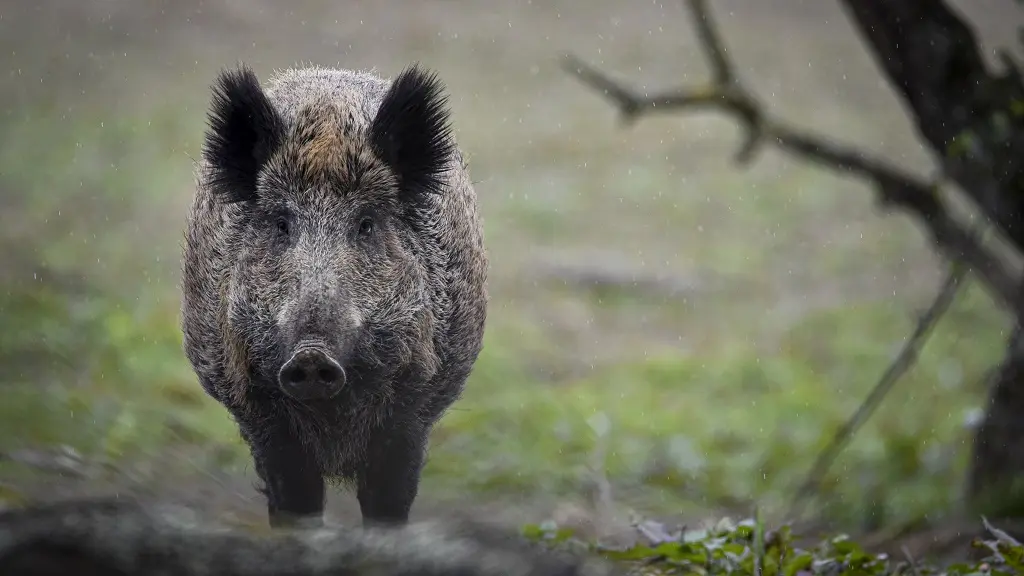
(311, 374)
(294, 376)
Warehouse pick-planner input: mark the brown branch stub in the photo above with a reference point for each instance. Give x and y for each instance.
(894, 186)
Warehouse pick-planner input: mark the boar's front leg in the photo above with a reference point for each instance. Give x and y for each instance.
(389, 480)
(293, 481)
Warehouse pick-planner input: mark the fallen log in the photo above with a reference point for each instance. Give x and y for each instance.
(116, 537)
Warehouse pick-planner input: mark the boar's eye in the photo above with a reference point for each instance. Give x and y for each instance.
(283, 226)
(366, 227)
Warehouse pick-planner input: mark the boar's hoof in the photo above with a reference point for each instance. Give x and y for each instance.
(311, 374)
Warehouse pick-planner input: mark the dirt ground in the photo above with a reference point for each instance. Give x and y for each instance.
(533, 136)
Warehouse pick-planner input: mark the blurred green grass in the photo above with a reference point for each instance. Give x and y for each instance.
(94, 361)
(91, 342)
(738, 425)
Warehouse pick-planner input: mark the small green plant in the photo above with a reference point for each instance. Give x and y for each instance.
(747, 548)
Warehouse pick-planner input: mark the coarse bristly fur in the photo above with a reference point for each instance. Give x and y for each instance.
(94, 537)
(333, 210)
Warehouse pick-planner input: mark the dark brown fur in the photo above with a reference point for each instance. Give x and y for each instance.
(276, 254)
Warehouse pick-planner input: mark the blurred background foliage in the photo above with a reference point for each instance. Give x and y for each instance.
(690, 333)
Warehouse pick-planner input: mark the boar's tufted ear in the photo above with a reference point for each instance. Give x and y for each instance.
(411, 132)
(244, 130)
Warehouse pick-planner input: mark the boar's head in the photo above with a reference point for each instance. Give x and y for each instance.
(331, 281)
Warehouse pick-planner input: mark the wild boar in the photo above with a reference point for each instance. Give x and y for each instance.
(333, 279)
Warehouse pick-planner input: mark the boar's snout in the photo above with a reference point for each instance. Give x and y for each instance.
(311, 374)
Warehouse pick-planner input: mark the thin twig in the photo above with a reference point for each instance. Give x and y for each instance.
(714, 47)
(904, 360)
(911, 563)
(1000, 535)
(894, 186)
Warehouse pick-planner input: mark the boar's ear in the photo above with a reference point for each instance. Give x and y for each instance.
(244, 130)
(411, 132)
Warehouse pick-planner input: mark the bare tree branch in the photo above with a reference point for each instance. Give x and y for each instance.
(894, 186)
(899, 366)
(714, 48)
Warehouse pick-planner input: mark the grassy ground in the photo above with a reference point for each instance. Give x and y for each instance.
(790, 292)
